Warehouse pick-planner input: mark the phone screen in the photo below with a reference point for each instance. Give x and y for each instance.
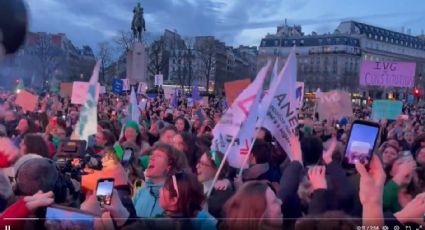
(66, 218)
(362, 142)
(126, 157)
(104, 190)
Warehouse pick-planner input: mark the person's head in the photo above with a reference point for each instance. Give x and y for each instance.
(182, 125)
(185, 143)
(208, 165)
(163, 161)
(312, 150)
(132, 132)
(409, 137)
(167, 134)
(264, 134)
(420, 156)
(35, 143)
(255, 204)
(10, 116)
(261, 152)
(389, 154)
(327, 220)
(35, 174)
(110, 158)
(393, 142)
(105, 138)
(182, 194)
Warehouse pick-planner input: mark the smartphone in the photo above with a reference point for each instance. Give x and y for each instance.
(62, 217)
(104, 190)
(361, 142)
(128, 153)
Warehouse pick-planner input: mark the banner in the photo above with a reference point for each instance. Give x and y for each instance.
(279, 106)
(388, 74)
(239, 122)
(80, 90)
(234, 88)
(386, 109)
(87, 122)
(159, 80)
(117, 86)
(334, 105)
(66, 89)
(168, 92)
(27, 100)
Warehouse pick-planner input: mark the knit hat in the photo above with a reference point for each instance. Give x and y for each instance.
(134, 125)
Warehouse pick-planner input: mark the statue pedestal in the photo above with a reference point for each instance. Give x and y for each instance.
(136, 63)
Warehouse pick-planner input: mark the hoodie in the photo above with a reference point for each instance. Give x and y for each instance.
(146, 200)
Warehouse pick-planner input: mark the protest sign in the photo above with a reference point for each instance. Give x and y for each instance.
(142, 87)
(27, 101)
(125, 84)
(117, 86)
(79, 92)
(386, 109)
(389, 74)
(234, 88)
(168, 92)
(66, 89)
(334, 105)
(299, 94)
(159, 80)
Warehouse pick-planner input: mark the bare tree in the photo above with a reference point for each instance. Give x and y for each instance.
(105, 55)
(189, 60)
(123, 40)
(206, 50)
(48, 54)
(156, 57)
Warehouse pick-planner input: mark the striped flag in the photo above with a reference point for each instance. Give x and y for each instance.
(87, 123)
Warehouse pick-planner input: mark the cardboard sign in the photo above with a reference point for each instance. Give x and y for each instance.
(334, 105)
(80, 90)
(142, 87)
(389, 74)
(386, 109)
(117, 86)
(159, 79)
(27, 100)
(66, 89)
(234, 88)
(168, 92)
(125, 84)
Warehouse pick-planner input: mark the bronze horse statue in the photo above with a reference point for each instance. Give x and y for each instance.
(138, 23)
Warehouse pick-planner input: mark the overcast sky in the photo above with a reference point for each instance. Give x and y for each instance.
(237, 22)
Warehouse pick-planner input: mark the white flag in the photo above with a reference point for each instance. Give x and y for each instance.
(87, 123)
(133, 108)
(281, 104)
(242, 111)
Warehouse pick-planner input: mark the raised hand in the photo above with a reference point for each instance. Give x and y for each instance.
(317, 174)
(413, 211)
(296, 148)
(327, 155)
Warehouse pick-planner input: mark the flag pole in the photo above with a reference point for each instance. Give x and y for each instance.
(221, 165)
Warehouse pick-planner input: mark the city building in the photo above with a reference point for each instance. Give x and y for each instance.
(333, 60)
(45, 57)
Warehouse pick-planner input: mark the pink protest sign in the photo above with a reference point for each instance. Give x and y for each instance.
(392, 74)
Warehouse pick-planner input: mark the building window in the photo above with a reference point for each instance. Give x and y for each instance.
(376, 37)
(382, 38)
(276, 42)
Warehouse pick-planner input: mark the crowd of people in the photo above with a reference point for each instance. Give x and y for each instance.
(165, 182)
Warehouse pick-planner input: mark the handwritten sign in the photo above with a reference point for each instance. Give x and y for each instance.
(389, 74)
(386, 109)
(234, 88)
(66, 89)
(334, 105)
(79, 92)
(159, 80)
(27, 101)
